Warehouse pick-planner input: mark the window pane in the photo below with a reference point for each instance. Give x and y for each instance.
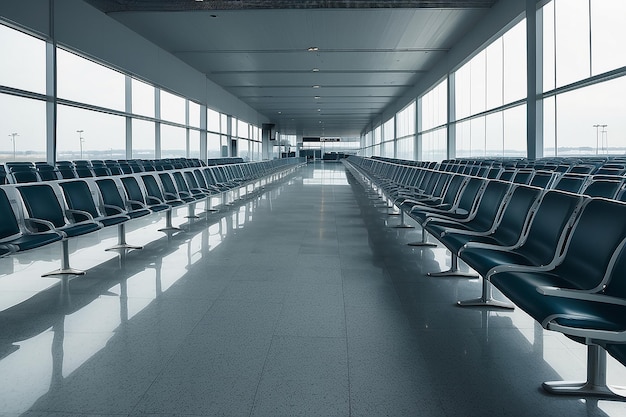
(388, 130)
(224, 124)
(103, 135)
(477, 132)
(462, 92)
(143, 98)
(172, 108)
(515, 63)
(572, 40)
(435, 106)
(463, 139)
(23, 61)
(212, 120)
(494, 141)
(548, 47)
(406, 148)
(194, 143)
(405, 122)
(579, 110)
(173, 142)
(608, 32)
(494, 59)
(213, 145)
(27, 118)
(549, 126)
(194, 114)
(478, 88)
(242, 129)
(84, 81)
(434, 145)
(143, 139)
(515, 131)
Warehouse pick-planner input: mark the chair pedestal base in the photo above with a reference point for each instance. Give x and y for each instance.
(124, 246)
(595, 386)
(490, 303)
(64, 271)
(486, 299)
(454, 270)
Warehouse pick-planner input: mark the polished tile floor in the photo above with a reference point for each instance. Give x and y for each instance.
(302, 301)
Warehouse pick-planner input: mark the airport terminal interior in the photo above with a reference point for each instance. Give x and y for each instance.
(225, 208)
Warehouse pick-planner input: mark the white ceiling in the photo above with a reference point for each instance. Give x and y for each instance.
(367, 57)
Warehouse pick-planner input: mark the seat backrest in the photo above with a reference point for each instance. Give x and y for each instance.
(606, 188)
(133, 190)
(542, 179)
(101, 171)
(507, 174)
(470, 194)
(455, 185)
(152, 187)
(41, 202)
(596, 234)
(191, 180)
(110, 195)
(66, 171)
(83, 171)
(200, 178)
(572, 183)
(523, 176)
(78, 197)
(550, 223)
(9, 227)
(22, 177)
(490, 203)
(515, 214)
(180, 182)
(168, 183)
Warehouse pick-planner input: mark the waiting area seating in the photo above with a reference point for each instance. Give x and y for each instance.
(38, 210)
(550, 235)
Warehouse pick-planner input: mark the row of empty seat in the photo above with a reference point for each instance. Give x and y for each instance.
(39, 213)
(558, 255)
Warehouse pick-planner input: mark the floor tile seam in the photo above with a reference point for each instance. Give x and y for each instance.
(164, 364)
(265, 361)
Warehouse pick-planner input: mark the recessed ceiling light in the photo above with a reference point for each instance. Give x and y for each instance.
(280, 112)
(316, 70)
(319, 109)
(316, 86)
(313, 48)
(317, 97)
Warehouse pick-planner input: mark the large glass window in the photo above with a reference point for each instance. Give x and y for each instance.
(143, 139)
(213, 145)
(173, 141)
(82, 80)
(172, 107)
(582, 39)
(194, 143)
(86, 134)
(143, 98)
(194, 114)
(434, 145)
(23, 124)
(493, 78)
(23, 61)
(212, 120)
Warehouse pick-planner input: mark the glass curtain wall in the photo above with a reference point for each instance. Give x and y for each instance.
(489, 99)
(92, 110)
(584, 77)
(405, 132)
(433, 134)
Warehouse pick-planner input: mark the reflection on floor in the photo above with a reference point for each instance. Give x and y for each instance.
(299, 302)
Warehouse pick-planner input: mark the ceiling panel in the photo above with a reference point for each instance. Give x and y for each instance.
(369, 52)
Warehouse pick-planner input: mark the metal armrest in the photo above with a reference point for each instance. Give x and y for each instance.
(71, 213)
(584, 295)
(116, 208)
(32, 222)
(171, 196)
(139, 203)
(153, 200)
(464, 232)
(587, 333)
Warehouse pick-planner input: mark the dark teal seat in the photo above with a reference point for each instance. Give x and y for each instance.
(584, 295)
(154, 191)
(12, 236)
(481, 220)
(537, 246)
(114, 202)
(82, 206)
(45, 213)
(138, 200)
